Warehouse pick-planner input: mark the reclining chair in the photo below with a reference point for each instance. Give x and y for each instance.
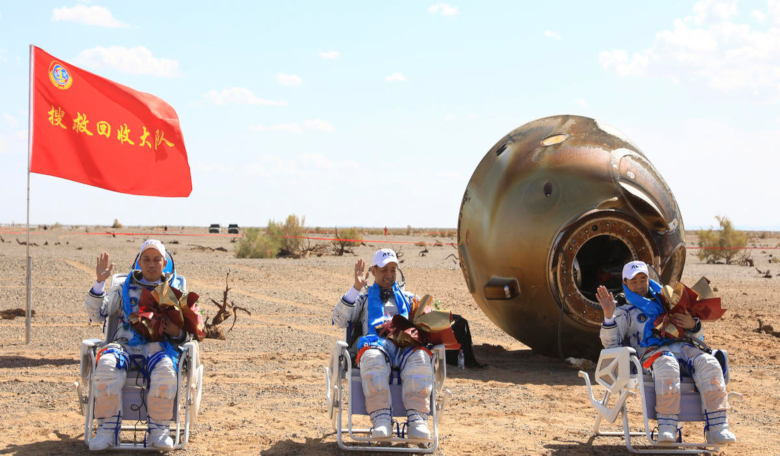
(134, 413)
(620, 373)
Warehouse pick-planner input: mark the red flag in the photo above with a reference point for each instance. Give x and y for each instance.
(94, 131)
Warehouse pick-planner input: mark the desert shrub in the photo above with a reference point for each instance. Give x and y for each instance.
(420, 244)
(342, 244)
(56, 225)
(438, 243)
(724, 243)
(408, 230)
(116, 224)
(255, 245)
(288, 235)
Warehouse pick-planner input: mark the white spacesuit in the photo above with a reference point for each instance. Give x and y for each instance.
(377, 355)
(127, 350)
(631, 326)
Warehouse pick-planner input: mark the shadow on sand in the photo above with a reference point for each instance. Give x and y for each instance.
(516, 366)
(316, 447)
(63, 444)
(21, 361)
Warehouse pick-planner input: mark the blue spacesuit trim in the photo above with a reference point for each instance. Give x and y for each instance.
(650, 307)
(375, 306)
(154, 360)
(122, 359)
(127, 309)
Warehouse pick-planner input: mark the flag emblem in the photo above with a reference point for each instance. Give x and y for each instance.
(59, 76)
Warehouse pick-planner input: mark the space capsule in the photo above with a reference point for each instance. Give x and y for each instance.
(553, 210)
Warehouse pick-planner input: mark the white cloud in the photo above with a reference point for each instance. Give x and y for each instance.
(10, 120)
(773, 10)
(581, 102)
(708, 11)
(311, 125)
(445, 9)
(448, 117)
(617, 61)
(21, 134)
(553, 35)
(317, 161)
(290, 128)
(3, 52)
(396, 77)
(1, 16)
(3, 147)
(289, 79)
(240, 95)
(473, 116)
(89, 15)
(330, 55)
(758, 16)
(137, 60)
(318, 125)
(725, 55)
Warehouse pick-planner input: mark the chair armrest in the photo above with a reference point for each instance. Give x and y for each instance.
(87, 343)
(613, 369)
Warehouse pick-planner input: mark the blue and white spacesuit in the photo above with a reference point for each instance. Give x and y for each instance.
(377, 355)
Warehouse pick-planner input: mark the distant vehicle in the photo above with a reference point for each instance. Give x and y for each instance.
(215, 228)
(232, 228)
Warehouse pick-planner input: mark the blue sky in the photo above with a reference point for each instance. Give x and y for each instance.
(377, 113)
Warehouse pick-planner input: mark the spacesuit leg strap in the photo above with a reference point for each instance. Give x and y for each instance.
(375, 377)
(666, 375)
(417, 380)
(708, 375)
(162, 387)
(109, 378)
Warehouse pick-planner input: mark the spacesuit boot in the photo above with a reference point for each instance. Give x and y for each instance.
(417, 426)
(667, 428)
(382, 422)
(107, 434)
(159, 435)
(718, 428)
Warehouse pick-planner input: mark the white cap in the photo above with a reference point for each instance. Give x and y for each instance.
(153, 244)
(630, 270)
(383, 257)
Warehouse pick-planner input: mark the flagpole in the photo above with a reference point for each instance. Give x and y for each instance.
(29, 160)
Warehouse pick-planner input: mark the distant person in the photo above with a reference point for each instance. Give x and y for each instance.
(126, 347)
(385, 231)
(377, 355)
(632, 324)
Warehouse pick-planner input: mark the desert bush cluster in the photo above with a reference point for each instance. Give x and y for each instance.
(723, 244)
(346, 238)
(256, 245)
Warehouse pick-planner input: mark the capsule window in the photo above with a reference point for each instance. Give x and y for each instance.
(548, 189)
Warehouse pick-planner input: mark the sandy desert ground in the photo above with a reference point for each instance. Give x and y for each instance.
(264, 386)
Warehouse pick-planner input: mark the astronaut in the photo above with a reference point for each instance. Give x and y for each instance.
(377, 356)
(129, 350)
(632, 324)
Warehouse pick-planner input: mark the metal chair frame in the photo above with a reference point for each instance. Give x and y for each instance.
(620, 373)
(340, 372)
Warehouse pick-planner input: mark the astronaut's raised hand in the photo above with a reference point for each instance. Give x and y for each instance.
(607, 301)
(104, 268)
(361, 275)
